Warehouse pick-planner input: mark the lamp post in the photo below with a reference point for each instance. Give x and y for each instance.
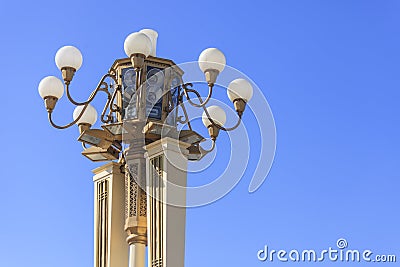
(140, 129)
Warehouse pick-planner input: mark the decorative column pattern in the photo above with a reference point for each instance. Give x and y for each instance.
(110, 250)
(166, 180)
(103, 221)
(135, 200)
(135, 205)
(156, 210)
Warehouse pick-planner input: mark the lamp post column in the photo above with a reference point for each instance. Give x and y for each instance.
(166, 182)
(135, 201)
(155, 174)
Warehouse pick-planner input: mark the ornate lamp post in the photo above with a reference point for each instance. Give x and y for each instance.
(145, 94)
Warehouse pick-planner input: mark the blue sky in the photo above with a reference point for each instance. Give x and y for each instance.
(329, 70)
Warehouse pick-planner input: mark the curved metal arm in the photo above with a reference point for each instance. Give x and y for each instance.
(84, 146)
(204, 152)
(94, 93)
(186, 121)
(221, 127)
(207, 150)
(114, 107)
(182, 105)
(69, 124)
(102, 86)
(187, 90)
(110, 105)
(202, 105)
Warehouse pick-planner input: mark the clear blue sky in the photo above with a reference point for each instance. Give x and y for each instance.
(330, 72)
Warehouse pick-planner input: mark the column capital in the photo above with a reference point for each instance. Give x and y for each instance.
(169, 144)
(106, 169)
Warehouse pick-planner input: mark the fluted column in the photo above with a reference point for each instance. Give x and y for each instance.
(110, 248)
(166, 181)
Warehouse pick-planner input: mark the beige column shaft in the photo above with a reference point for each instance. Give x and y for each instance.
(110, 248)
(135, 200)
(166, 180)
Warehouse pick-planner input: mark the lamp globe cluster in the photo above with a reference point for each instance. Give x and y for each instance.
(140, 49)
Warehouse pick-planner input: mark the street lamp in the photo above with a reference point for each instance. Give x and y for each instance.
(144, 95)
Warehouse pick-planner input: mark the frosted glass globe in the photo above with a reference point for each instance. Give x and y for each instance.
(240, 88)
(69, 56)
(137, 43)
(89, 116)
(51, 86)
(217, 114)
(212, 58)
(152, 34)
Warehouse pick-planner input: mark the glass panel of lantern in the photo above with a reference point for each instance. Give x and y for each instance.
(176, 82)
(154, 88)
(128, 93)
(154, 92)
